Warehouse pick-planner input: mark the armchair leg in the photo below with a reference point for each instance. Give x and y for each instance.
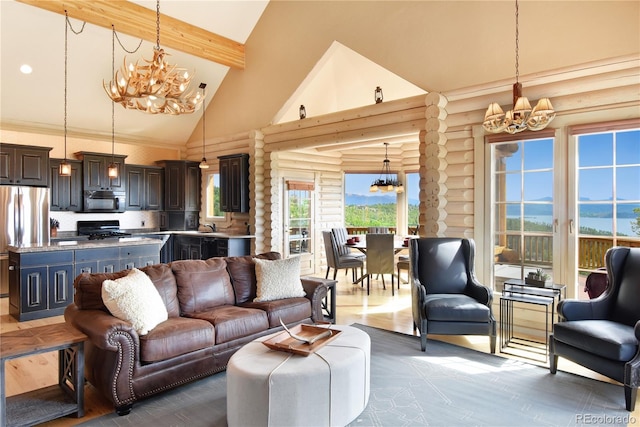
(423, 341)
(553, 363)
(630, 395)
(492, 344)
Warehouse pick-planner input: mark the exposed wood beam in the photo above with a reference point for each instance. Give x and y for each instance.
(137, 21)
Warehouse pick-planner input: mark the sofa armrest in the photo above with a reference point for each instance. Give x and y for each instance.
(316, 290)
(100, 327)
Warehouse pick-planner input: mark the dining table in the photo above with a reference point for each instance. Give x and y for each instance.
(399, 244)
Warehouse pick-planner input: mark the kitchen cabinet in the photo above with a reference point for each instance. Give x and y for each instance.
(40, 284)
(66, 191)
(234, 183)
(94, 171)
(181, 194)
(187, 247)
(24, 165)
(225, 246)
(145, 187)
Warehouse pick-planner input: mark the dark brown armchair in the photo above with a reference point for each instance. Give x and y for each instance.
(447, 298)
(603, 334)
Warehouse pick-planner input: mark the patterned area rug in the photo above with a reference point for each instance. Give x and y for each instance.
(447, 385)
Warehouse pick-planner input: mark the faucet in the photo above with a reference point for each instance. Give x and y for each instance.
(211, 226)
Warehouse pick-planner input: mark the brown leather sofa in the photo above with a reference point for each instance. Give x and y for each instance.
(211, 315)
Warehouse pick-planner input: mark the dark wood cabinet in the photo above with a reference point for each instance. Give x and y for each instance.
(24, 165)
(225, 246)
(182, 185)
(66, 191)
(94, 171)
(145, 187)
(181, 194)
(234, 183)
(40, 284)
(187, 247)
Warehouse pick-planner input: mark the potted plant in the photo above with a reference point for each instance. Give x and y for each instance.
(536, 278)
(54, 224)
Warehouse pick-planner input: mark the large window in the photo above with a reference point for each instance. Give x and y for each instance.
(523, 202)
(212, 196)
(608, 194)
(364, 208)
(412, 189)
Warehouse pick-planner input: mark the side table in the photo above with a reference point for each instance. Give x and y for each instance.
(329, 303)
(517, 291)
(65, 398)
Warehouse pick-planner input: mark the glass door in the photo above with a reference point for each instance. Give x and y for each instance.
(299, 224)
(607, 174)
(522, 208)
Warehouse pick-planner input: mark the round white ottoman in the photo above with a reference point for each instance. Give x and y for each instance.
(274, 388)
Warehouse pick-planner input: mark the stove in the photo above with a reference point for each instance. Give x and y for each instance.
(100, 230)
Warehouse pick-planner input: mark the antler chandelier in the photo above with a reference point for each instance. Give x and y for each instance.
(522, 117)
(156, 87)
(386, 182)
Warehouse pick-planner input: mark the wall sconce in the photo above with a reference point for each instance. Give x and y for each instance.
(378, 95)
(302, 112)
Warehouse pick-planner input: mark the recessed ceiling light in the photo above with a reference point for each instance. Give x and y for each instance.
(26, 69)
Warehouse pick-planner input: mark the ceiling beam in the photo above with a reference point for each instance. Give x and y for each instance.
(138, 21)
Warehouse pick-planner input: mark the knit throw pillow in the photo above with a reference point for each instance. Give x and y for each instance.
(134, 299)
(278, 279)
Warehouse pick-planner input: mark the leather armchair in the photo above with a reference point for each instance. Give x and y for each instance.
(447, 299)
(603, 334)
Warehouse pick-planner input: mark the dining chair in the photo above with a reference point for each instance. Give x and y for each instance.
(380, 257)
(337, 261)
(378, 230)
(402, 264)
(341, 235)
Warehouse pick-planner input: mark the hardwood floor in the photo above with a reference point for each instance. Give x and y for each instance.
(378, 309)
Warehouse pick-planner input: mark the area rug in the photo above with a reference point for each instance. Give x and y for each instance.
(447, 385)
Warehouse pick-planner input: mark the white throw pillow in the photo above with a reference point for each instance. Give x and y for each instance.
(278, 279)
(134, 299)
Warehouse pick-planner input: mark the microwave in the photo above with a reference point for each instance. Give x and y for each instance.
(104, 201)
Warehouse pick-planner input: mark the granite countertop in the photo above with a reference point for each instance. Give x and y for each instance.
(66, 245)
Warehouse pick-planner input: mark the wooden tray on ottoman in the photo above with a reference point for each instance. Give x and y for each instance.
(284, 342)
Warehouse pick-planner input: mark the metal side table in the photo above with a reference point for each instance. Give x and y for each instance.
(518, 292)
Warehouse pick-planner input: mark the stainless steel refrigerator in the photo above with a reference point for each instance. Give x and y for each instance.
(24, 218)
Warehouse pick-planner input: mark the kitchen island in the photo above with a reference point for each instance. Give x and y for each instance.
(41, 275)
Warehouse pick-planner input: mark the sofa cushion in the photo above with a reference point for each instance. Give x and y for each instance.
(176, 336)
(165, 282)
(202, 284)
(242, 271)
(135, 299)
(88, 289)
(278, 279)
(232, 322)
(290, 310)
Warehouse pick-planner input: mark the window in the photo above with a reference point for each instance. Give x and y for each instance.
(608, 194)
(412, 190)
(366, 209)
(212, 196)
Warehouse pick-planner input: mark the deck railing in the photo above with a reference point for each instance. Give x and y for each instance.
(538, 250)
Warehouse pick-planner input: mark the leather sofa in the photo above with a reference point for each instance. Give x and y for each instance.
(194, 342)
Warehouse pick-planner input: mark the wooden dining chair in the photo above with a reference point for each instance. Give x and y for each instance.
(380, 257)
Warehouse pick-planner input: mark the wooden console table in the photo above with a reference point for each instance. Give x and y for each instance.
(51, 402)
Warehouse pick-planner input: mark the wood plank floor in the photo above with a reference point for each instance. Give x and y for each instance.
(378, 309)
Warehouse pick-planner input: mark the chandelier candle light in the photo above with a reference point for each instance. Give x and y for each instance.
(522, 117)
(156, 87)
(386, 183)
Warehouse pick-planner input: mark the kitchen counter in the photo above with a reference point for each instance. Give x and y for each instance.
(217, 234)
(66, 245)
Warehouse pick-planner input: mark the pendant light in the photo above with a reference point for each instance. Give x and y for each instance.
(65, 166)
(112, 170)
(203, 163)
(386, 182)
